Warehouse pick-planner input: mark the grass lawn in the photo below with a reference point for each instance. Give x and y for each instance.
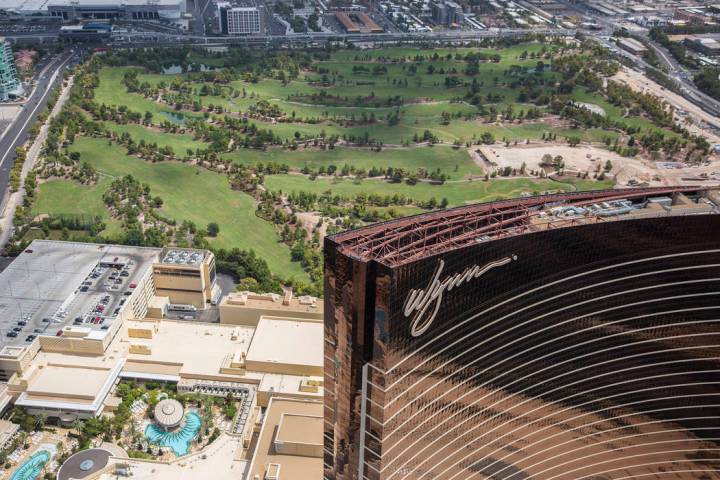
(457, 193)
(179, 142)
(112, 91)
(423, 85)
(189, 193)
(67, 198)
(456, 163)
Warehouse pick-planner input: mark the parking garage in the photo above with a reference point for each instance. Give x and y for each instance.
(52, 285)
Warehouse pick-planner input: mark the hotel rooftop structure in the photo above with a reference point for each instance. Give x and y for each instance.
(73, 321)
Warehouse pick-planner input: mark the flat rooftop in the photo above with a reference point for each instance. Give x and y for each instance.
(189, 348)
(295, 467)
(43, 287)
(273, 302)
(400, 241)
(62, 381)
(58, 380)
(280, 341)
(294, 428)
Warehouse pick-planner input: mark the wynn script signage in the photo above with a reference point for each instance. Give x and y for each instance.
(424, 304)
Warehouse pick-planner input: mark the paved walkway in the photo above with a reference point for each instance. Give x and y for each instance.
(216, 462)
(16, 198)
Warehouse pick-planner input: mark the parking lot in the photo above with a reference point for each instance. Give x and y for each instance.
(102, 295)
(54, 284)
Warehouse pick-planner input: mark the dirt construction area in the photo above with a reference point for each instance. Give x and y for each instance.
(586, 158)
(695, 119)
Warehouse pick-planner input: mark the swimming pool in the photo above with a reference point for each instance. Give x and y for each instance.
(30, 468)
(178, 441)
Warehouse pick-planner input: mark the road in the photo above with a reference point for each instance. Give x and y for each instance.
(17, 133)
(687, 88)
(141, 39)
(678, 73)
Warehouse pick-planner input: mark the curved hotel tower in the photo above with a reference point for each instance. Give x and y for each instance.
(561, 337)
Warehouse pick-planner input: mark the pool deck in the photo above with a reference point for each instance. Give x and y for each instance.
(220, 464)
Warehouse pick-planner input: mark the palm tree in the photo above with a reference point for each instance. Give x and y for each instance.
(22, 438)
(40, 421)
(77, 425)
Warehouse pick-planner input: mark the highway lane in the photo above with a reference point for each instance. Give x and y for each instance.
(18, 131)
(134, 39)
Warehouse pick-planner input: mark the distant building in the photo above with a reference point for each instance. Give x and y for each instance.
(632, 46)
(10, 85)
(692, 16)
(704, 45)
(447, 13)
(88, 32)
(239, 20)
(75, 10)
(358, 22)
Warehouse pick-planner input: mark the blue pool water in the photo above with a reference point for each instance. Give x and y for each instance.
(178, 441)
(30, 469)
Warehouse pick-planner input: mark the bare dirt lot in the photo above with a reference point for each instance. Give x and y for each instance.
(586, 158)
(685, 110)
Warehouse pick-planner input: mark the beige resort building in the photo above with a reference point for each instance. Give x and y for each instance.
(87, 316)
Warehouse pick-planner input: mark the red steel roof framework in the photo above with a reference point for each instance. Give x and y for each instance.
(403, 240)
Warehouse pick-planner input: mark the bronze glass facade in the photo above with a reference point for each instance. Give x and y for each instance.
(583, 352)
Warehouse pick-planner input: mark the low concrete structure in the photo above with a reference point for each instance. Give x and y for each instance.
(246, 308)
(287, 346)
(290, 441)
(631, 45)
